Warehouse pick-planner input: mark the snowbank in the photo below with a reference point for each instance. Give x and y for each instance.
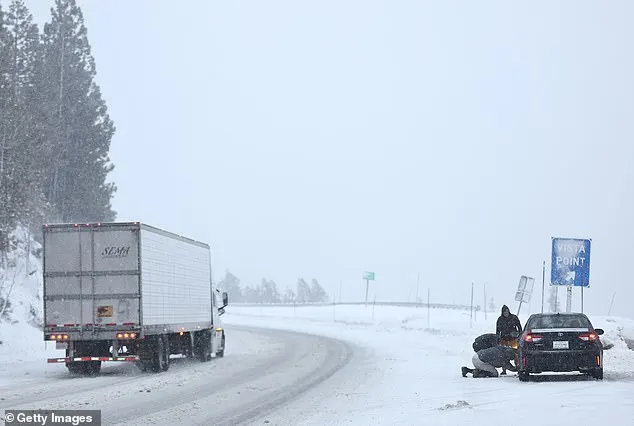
(20, 284)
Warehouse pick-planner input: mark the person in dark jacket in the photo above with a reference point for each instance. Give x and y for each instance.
(485, 341)
(487, 361)
(508, 328)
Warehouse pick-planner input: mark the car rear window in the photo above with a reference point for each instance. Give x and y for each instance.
(560, 321)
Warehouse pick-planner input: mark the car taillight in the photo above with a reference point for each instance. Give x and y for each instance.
(589, 337)
(530, 337)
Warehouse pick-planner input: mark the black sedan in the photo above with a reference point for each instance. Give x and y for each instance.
(560, 342)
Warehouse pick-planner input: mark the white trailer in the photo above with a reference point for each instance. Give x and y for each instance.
(128, 292)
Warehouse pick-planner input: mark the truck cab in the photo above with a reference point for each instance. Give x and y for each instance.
(219, 310)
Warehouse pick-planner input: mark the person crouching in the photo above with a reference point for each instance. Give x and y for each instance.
(487, 361)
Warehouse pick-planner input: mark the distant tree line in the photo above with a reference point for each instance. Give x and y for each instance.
(268, 292)
(55, 130)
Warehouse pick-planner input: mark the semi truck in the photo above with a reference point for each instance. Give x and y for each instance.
(129, 292)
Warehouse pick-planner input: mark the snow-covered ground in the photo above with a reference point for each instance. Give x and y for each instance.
(414, 376)
(409, 372)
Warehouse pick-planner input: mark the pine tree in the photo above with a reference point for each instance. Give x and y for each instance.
(20, 159)
(7, 217)
(317, 292)
(491, 305)
(231, 284)
(77, 118)
(303, 291)
(268, 292)
(29, 152)
(553, 300)
(251, 294)
(289, 296)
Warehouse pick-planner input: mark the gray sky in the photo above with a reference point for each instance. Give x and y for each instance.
(324, 139)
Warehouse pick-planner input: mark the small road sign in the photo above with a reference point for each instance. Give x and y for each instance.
(525, 289)
(368, 276)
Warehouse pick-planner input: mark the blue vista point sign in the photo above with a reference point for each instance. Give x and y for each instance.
(570, 262)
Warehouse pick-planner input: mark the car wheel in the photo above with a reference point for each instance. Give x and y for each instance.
(523, 376)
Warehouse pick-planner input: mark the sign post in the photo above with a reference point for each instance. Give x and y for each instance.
(367, 276)
(570, 265)
(524, 291)
(543, 283)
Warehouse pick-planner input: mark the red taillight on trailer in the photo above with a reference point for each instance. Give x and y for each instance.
(530, 337)
(589, 337)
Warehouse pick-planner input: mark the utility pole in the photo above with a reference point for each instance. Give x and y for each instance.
(367, 287)
(471, 311)
(417, 284)
(543, 283)
(581, 299)
(428, 307)
(485, 301)
(611, 303)
(568, 298)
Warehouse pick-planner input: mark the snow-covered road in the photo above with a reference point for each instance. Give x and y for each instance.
(261, 370)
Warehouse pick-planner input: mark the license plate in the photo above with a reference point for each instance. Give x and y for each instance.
(557, 344)
(61, 345)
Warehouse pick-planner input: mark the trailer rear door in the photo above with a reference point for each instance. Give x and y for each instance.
(91, 276)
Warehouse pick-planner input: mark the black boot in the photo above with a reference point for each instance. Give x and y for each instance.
(465, 371)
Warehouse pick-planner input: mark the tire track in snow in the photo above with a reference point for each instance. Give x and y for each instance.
(261, 370)
(310, 360)
(65, 391)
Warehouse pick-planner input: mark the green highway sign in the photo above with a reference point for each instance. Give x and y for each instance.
(368, 276)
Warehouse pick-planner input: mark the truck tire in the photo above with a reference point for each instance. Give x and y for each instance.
(93, 368)
(221, 352)
(202, 347)
(84, 368)
(160, 361)
(76, 368)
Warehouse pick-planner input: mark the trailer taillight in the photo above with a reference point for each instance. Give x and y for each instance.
(58, 337)
(126, 335)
